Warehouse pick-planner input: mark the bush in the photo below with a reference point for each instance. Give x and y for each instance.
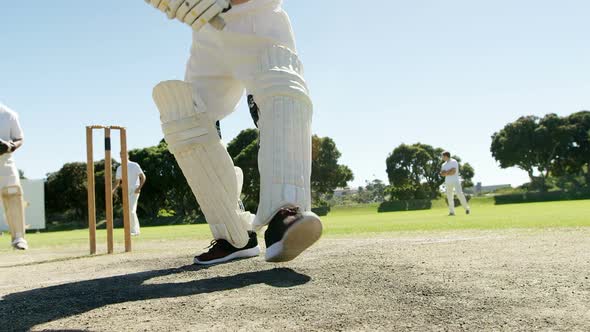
(406, 205)
(401, 193)
(321, 210)
(409, 192)
(419, 204)
(391, 206)
(457, 201)
(531, 197)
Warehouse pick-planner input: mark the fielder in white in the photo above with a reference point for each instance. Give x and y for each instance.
(136, 181)
(11, 138)
(250, 46)
(450, 170)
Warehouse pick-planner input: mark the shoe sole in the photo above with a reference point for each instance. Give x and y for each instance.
(20, 246)
(300, 236)
(246, 253)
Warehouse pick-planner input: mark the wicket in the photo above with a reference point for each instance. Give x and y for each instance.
(108, 186)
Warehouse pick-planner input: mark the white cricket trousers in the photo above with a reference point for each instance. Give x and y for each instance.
(134, 220)
(223, 64)
(452, 189)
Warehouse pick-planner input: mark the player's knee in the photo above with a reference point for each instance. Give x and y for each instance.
(12, 192)
(185, 121)
(281, 74)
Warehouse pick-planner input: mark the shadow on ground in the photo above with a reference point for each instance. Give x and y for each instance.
(48, 304)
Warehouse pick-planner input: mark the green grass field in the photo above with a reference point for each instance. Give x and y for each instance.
(365, 221)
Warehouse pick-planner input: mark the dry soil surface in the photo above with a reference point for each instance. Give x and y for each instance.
(470, 280)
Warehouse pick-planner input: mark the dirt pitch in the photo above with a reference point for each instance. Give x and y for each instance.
(466, 280)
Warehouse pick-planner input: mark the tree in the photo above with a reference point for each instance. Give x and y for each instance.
(576, 156)
(433, 179)
(166, 187)
(513, 145)
(65, 190)
(326, 173)
(244, 151)
(406, 164)
(414, 171)
(552, 138)
(406, 192)
(532, 144)
(326, 176)
(375, 191)
(467, 174)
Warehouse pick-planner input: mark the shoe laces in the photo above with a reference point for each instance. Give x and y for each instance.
(215, 244)
(290, 211)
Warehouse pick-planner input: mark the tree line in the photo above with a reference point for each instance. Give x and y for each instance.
(554, 150)
(167, 193)
(414, 172)
(413, 175)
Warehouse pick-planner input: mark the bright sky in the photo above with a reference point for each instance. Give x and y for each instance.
(446, 73)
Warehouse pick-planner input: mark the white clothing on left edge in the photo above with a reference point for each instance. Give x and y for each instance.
(10, 129)
(10, 189)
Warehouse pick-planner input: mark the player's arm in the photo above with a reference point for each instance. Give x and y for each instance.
(10, 146)
(118, 183)
(195, 13)
(452, 171)
(16, 144)
(118, 179)
(16, 137)
(142, 179)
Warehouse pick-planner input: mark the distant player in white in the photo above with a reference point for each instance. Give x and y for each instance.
(11, 138)
(450, 170)
(254, 52)
(136, 181)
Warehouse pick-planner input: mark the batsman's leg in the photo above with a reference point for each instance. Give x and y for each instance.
(284, 159)
(285, 133)
(192, 137)
(12, 199)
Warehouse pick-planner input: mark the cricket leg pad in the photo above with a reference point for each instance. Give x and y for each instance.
(192, 137)
(12, 199)
(285, 108)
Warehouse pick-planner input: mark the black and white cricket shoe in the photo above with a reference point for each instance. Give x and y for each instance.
(221, 251)
(289, 233)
